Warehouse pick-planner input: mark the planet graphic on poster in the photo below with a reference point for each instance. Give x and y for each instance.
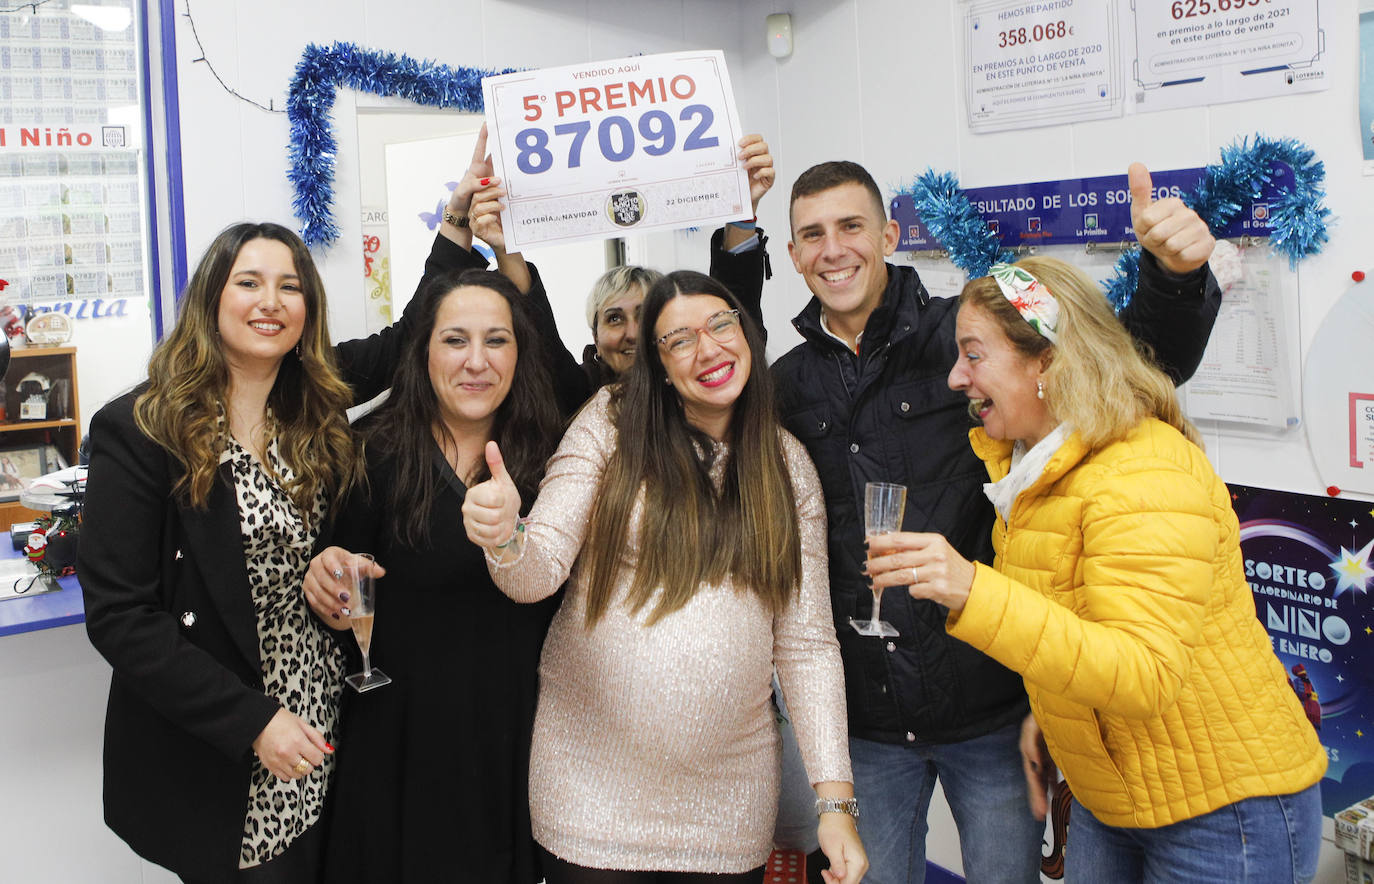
(1336, 630)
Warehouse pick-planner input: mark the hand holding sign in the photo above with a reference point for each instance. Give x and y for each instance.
(1167, 229)
(460, 200)
(758, 162)
(485, 214)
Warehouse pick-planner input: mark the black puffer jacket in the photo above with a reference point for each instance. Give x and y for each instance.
(889, 416)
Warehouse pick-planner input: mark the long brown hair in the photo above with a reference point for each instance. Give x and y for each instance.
(1098, 380)
(691, 533)
(188, 383)
(526, 424)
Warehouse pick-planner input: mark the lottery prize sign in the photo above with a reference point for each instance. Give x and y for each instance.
(595, 150)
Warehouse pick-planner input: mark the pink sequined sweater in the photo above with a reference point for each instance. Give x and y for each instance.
(655, 747)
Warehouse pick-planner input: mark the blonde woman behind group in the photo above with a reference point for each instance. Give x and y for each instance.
(1118, 593)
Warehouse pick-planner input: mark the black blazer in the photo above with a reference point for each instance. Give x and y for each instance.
(168, 604)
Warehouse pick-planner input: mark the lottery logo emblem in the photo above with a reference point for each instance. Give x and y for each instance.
(626, 209)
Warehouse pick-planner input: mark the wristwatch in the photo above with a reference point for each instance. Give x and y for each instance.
(838, 805)
(455, 220)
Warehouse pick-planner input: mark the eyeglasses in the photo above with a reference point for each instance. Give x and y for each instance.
(723, 327)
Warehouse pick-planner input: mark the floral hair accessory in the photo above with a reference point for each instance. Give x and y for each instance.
(1030, 297)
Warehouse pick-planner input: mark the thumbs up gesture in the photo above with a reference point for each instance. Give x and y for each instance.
(1167, 229)
(491, 509)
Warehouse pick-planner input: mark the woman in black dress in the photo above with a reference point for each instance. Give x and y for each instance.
(432, 785)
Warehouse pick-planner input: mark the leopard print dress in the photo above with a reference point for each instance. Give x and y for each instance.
(302, 668)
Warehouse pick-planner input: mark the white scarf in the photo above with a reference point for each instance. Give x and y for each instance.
(1026, 468)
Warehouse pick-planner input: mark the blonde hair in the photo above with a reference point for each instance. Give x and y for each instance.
(1099, 379)
(188, 384)
(616, 283)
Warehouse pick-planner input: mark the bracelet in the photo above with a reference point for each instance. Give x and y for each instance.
(838, 805)
(746, 225)
(514, 534)
(455, 220)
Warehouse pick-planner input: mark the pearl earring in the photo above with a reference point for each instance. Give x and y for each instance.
(1039, 389)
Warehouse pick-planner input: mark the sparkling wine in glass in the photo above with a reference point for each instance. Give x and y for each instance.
(884, 504)
(362, 610)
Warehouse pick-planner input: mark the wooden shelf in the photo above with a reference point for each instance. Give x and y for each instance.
(58, 364)
(31, 350)
(14, 426)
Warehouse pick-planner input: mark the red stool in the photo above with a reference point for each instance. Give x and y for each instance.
(785, 867)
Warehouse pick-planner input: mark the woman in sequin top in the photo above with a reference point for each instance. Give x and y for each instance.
(693, 529)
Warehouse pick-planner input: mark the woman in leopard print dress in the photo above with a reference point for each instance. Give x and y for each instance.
(208, 487)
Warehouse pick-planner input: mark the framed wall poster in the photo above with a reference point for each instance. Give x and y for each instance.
(20, 465)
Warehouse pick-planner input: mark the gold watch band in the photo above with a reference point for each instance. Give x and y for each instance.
(455, 220)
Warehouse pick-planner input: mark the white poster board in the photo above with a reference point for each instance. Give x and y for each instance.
(1199, 52)
(1031, 63)
(1247, 371)
(596, 150)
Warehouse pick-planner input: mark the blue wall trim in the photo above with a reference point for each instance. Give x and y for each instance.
(176, 201)
(150, 169)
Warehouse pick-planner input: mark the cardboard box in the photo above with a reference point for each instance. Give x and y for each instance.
(1355, 831)
(1358, 871)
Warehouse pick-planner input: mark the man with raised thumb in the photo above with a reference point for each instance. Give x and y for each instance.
(1170, 231)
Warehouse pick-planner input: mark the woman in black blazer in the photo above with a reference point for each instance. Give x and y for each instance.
(208, 488)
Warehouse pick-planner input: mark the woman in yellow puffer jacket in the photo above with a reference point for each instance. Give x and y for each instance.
(1118, 593)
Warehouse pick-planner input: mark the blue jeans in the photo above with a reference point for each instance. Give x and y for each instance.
(1254, 841)
(983, 781)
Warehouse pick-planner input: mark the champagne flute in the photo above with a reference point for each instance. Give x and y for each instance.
(361, 613)
(884, 504)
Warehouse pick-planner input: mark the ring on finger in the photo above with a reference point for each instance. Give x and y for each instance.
(302, 767)
(338, 573)
(915, 576)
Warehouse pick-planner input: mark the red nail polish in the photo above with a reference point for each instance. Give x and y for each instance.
(484, 182)
(328, 746)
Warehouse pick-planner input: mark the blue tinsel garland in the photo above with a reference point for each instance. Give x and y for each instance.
(320, 73)
(1297, 219)
(948, 215)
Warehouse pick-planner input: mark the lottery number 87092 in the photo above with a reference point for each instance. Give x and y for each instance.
(657, 129)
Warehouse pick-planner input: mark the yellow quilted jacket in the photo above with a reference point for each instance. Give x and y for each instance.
(1119, 594)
